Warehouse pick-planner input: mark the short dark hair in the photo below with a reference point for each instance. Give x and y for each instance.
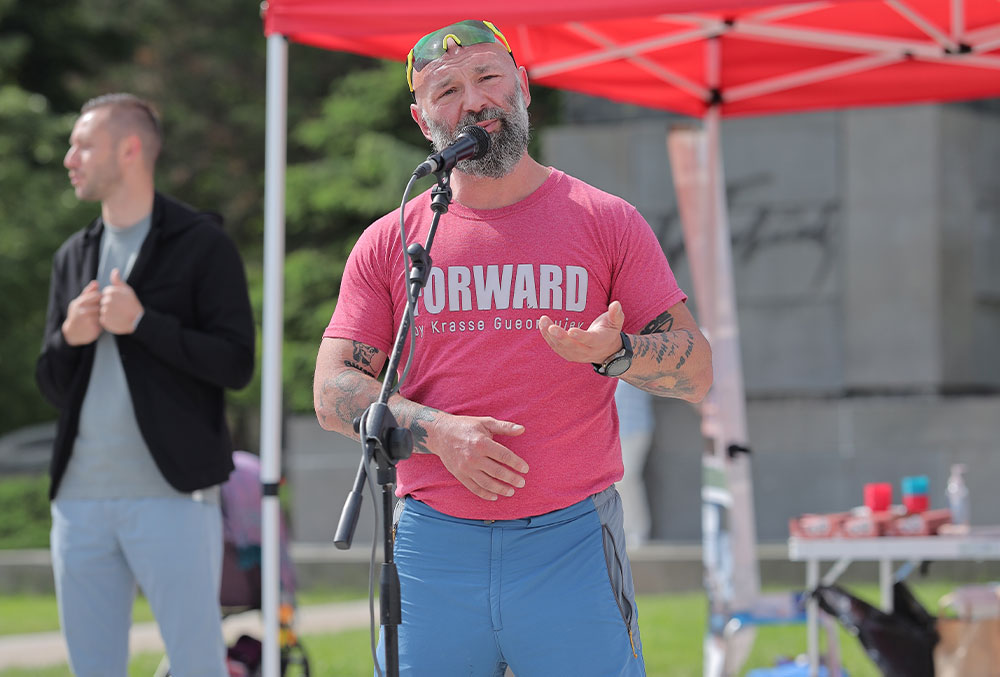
(128, 110)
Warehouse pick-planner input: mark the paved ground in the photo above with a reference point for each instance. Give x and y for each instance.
(47, 648)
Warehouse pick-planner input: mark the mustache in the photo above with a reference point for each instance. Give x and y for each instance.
(483, 116)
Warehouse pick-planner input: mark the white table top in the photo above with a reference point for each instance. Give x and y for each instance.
(980, 544)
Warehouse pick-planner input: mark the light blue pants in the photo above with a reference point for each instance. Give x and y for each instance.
(171, 547)
(549, 596)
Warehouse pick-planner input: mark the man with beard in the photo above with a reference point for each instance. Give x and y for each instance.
(509, 537)
(148, 321)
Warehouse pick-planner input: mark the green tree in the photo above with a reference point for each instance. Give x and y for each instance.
(48, 45)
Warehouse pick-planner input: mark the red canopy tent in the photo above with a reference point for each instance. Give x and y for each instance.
(705, 58)
(775, 59)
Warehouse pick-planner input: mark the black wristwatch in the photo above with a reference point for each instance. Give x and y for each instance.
(617, 364)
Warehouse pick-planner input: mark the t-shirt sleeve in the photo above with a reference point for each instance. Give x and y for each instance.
(643, 281)
(364, 309)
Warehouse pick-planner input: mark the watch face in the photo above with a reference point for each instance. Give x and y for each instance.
(618, 366)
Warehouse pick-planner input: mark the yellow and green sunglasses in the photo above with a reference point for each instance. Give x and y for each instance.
(434, 45)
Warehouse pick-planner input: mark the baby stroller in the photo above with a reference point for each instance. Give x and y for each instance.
(241, 585)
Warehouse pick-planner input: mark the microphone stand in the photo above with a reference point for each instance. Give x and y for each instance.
(388, 444)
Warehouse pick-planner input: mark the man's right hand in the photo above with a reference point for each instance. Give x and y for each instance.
(467, 449)
(82, 324)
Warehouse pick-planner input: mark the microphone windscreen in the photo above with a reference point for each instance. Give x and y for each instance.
(480, 136)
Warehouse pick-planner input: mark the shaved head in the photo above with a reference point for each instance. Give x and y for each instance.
(128, 114)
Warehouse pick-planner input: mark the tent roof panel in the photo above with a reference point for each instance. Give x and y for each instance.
(774, 58)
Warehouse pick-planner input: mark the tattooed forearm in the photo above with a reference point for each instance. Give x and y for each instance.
(670, 352)
(417, 418)
(688, 350)
(654, 346)
(678, 344)
(679, 386)
(343, 397)
(671, 357)
(362, 358)
(348, 393)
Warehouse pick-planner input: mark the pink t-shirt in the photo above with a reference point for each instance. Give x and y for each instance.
(566, 251)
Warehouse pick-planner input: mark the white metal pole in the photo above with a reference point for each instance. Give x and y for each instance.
(812, 618)
(958, 20)
(744, 581)
(270, 389)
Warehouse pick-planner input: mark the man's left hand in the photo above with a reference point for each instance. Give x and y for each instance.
(119, 306)
(596, 343)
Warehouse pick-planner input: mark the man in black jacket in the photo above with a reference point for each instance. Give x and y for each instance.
(148, 321)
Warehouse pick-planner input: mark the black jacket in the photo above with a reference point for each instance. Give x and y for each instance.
(195, 338)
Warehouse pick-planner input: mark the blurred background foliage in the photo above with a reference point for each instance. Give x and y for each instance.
(351, 147)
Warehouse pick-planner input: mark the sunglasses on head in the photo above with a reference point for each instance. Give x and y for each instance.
(434, 45)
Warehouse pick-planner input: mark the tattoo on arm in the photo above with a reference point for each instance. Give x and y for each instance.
(348, 393)
(662, 347)
(416, 417)
(345, 396)
(362, 358)
(670, 351)
(681, 385)
(669, 347)
(662, 322)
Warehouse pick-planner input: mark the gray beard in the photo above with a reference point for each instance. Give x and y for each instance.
(506, 145)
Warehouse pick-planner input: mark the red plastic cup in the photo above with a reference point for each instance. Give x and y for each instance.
(915, 502)
(878, 496)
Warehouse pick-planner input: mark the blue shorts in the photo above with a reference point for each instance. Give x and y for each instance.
(549, 595)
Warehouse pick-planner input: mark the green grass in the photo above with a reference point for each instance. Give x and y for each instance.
(39, 613)
(672, 631)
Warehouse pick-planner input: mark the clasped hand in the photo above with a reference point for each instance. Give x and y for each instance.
(483, 466)
(113, 309)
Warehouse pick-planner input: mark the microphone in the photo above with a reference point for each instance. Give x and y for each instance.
(472, 143)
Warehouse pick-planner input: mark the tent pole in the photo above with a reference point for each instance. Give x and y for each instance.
(741, 582)
(271, 382)
(729, 379)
